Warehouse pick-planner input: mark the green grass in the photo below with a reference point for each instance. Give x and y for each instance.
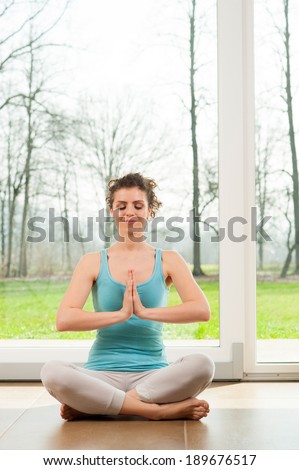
(28, 308)
(278, 310)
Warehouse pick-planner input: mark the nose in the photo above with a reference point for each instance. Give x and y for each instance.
(128, 213)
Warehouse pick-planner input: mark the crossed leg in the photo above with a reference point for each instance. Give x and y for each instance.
(167, 393)
(172, 390)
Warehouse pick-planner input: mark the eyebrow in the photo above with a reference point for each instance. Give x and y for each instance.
(125, 202)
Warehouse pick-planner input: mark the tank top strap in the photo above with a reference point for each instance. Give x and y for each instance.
(104, 256)
(159, 254)
(104, 263)
(159, 270)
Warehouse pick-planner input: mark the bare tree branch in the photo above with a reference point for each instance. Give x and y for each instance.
(27, 21)
(25, 49)
(6, 8)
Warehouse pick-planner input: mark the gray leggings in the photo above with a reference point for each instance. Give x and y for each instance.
(103, 392)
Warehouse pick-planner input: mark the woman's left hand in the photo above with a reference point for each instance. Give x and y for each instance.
(138, 309)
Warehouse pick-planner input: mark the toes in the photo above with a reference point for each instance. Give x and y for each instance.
(65, 412)
(205, 404)
(202, 409)
(199, 416)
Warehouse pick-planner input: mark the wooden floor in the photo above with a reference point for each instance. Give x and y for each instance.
(243, 416)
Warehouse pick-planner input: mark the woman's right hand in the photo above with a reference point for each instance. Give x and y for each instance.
(127, 308)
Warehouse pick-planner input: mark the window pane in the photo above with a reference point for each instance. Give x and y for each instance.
(276, 64)
(117, 100)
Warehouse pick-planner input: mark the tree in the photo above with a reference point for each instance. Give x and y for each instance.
(197, 270)
(21, 56)
(14, 182)
(264, 149)
(204, 189)
(15, 42)
(288, 99)
(212, 185)
(3, 190)
(118, 139)
(290, 246)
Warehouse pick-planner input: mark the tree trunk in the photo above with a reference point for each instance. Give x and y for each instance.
(82, 246)
(29, 111)
(197, 271)
(23, 246)
(13, 189)
(287, 262)
(2, 231)
(66, 226)
(261, 254)
(292, 136)
(12, 208)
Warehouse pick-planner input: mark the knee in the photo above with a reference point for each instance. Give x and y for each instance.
(201, 366)
(52, 374)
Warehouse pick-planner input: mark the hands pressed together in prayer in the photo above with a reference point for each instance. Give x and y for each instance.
(131, 302)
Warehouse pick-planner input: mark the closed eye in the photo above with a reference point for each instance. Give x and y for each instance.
(122, 208)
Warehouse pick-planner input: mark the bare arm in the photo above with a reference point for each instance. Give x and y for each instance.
(71, 317)
(194, 307)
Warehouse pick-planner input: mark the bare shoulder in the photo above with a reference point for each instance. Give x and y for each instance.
(90, 264)
(173, 262)
(181, 275)
(171, 257)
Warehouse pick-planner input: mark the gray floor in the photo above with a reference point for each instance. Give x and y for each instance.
(243, 416)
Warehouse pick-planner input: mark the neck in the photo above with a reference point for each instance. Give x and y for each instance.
(131, 246)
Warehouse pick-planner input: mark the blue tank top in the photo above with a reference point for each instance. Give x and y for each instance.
(136, 344)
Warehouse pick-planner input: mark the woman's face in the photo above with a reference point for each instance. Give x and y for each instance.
(130, 211)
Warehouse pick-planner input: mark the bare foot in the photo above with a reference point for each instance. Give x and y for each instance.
(191, 408)
(188, 409)
(70, 414)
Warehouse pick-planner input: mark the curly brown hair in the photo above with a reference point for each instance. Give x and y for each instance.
(132, 180)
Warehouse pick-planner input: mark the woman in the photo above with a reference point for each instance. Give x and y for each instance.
(127, 372)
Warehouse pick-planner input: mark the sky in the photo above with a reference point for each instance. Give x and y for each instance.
(120, 47)
(139, 48)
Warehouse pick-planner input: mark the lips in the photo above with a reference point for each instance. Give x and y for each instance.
(131, 221)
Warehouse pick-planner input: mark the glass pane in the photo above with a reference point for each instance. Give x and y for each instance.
(277, 196)
(117, 100)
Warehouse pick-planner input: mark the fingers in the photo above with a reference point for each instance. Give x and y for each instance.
(133, 284)
(130, 286)
(131, 280)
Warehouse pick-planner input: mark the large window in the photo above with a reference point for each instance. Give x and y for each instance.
(136, 91)
(158, 88)
(277, 195)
